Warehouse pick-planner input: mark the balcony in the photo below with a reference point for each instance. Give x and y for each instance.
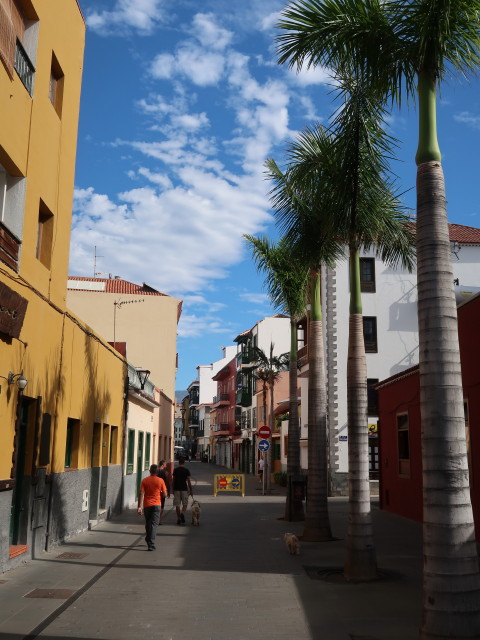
(9, 247)
(245, 359)
(302, 357)
(243, 397)
(221, 399)
(24, 67)
(221, 426)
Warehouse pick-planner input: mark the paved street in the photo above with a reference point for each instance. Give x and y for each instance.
(229, 579)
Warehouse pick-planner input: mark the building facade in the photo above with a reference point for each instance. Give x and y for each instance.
(389, 300)
(62, 386)
(144, 322)
(401, 483)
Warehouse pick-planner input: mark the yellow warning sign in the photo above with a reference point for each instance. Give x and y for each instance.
(229, 482)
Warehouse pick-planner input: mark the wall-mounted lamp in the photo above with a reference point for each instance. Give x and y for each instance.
(142, 376)
(17, 378)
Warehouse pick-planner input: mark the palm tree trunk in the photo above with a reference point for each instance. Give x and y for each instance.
(317, 524)
(271, 425)
(360, 559)
(266, 459)
(293, 507)
(451, 580)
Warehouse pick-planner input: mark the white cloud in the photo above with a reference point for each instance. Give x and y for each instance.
(255, 298)
(465, 117)
(193, 326)
(185, 236)
(207, 31)
(307, 76)
(191, 121)
(141, 16)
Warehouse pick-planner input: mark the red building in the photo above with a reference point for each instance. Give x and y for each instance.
(224, 418)
(400, 441)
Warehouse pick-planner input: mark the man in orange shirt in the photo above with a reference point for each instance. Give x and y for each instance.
(152, 490)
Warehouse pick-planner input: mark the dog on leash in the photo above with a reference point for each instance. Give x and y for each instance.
(196, 511)
(293, 545)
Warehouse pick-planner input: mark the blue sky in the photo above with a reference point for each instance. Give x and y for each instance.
(182, 102)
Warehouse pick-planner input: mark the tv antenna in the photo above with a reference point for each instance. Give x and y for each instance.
(95, 256)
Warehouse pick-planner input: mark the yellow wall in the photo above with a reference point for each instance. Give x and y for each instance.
(149, 328)
(40, 145)
(75, 373)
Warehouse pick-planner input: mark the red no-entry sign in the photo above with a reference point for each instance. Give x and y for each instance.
(223, 482)
(265, 432)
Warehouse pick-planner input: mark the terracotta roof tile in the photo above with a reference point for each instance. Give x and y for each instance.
(117, 285)
(465, 235)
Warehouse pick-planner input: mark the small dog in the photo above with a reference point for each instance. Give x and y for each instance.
(196, 511)
(292, 543)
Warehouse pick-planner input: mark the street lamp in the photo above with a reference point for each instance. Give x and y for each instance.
(142, 376)
(17, 378)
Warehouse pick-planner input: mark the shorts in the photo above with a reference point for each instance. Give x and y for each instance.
(180, 497)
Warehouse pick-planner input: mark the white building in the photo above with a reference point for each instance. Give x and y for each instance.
(389, 299)
(201, 393)
(271, 330)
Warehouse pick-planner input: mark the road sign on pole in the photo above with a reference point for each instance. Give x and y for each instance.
(264, 445)
(265, 432)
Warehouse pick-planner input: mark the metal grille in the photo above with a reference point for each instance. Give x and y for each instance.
(72, 556)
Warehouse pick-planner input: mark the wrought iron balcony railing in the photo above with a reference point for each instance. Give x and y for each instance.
(24, 67)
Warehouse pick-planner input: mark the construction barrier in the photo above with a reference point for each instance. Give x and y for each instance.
(229, 482)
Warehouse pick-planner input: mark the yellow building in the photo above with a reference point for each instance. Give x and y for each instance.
(62, 387)
(141, 322)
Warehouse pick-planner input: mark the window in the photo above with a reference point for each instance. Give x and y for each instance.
(71, 444)
(147, 451)
(372, 396)
(370, 334)
(403, 445)
(12, 198)
(367, 275)
(56, 86)
(254, 417)
(130, 450)
(18, 40)
(44, 236)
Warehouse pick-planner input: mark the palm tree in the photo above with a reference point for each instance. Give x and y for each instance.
(285, 281)
(368, 215)
(315, 246)
(268, 368)
(406, 46)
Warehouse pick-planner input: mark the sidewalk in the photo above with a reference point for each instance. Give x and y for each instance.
(229, 579)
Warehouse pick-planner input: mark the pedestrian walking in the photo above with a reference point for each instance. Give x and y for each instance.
(182, 488)
(163, 474)
(149, 503)
(261, 464)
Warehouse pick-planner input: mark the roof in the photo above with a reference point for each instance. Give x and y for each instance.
(464, 235)
(398, 376)
(110, 285)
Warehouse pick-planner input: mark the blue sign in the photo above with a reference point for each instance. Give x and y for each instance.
(236, 483)
(264, 445)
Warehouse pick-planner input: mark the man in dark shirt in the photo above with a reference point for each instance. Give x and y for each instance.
(182, 488)
(163, 474)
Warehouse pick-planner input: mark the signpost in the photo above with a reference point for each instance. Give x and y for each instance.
(263, 445)
(264, 432)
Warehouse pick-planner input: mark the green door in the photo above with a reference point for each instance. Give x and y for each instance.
(139, 460)
(17, 497)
